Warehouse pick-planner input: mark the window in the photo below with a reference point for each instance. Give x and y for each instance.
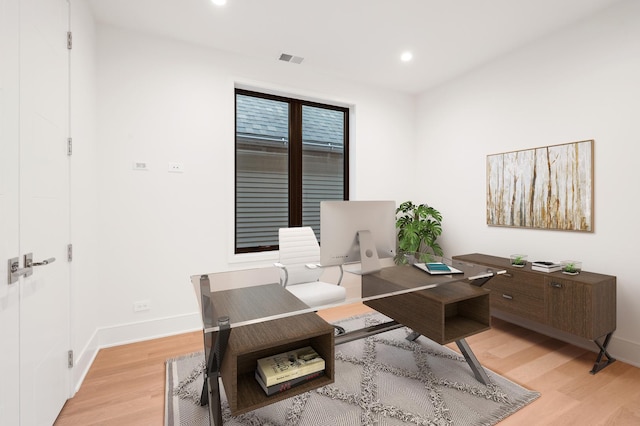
(290, 155)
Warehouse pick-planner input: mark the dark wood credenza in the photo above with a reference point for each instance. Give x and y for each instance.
(582, 305)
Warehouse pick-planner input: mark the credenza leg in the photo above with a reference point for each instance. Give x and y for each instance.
(600, 364)
(473, 362)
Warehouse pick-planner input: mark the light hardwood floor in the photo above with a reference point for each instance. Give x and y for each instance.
(125, 385)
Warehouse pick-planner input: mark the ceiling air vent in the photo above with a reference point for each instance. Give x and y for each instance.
(290, 58)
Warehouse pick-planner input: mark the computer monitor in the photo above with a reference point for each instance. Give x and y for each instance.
(357, 231)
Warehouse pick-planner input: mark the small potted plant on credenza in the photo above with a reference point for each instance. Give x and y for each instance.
(518, 260)
(571, 267)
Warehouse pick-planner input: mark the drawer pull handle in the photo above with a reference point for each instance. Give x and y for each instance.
(507, 275)
(508, 297)
(556, 285)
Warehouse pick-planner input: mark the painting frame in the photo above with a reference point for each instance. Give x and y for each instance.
(549, 187)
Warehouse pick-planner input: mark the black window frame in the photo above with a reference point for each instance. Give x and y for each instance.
(295, 151)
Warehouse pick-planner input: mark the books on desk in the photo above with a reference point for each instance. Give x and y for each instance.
(287, 384)
(545, 266)
(437, 268)
(286, 368)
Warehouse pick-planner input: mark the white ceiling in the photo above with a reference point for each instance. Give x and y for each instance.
(357, 39)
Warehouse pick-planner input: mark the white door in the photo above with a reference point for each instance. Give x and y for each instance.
(44, 209)
(9, 212)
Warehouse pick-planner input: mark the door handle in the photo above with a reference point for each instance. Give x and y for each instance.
(14, 269)
(29, 263)
(44, 262)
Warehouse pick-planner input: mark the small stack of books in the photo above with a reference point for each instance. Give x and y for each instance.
(280, 372)
(546, 266)
(437, 268)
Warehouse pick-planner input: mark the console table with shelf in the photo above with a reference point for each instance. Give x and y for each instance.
(242, 325)
(258, 339)
(582, 305)
(444, 314)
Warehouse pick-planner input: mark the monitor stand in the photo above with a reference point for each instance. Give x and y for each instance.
(369, 261)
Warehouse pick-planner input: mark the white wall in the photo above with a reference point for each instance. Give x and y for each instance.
(163, 101)
(581, 83)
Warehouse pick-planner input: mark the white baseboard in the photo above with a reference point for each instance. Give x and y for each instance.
(123, 334)
(83, 361)
(625, 351)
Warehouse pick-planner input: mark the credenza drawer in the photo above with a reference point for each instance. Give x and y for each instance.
(518, 293)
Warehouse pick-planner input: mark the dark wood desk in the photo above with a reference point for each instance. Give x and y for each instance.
(234, 356)
(272, 321)
(444, 314)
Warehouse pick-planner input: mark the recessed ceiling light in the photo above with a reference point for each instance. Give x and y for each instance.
(219, 2)
(406, 56)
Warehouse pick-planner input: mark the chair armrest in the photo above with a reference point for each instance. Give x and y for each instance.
(283, 281)
(317, 265)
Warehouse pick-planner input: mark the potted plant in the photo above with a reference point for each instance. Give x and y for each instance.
(518, 260)
(571, 267)
(419, 226)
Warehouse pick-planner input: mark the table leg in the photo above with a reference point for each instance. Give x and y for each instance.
(413, 336)
(469, 356)
(473, 362)
(215, 346)
(212, 389)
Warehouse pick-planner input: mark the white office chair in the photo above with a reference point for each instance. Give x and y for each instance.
(300, 270)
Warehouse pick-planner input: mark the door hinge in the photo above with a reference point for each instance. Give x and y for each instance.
(69, 252)
(69, 146)
(70, 358)
(69, 40)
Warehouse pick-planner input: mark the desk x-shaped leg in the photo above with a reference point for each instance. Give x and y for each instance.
(473, 362)
(469, 356)
(215, 346)
(600, 364)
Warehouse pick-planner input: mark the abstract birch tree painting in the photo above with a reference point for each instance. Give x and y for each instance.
(546, 188)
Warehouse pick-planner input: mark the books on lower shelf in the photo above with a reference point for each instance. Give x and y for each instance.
(437, 268)
(546, 266)
(289, 365)
(286, 385)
